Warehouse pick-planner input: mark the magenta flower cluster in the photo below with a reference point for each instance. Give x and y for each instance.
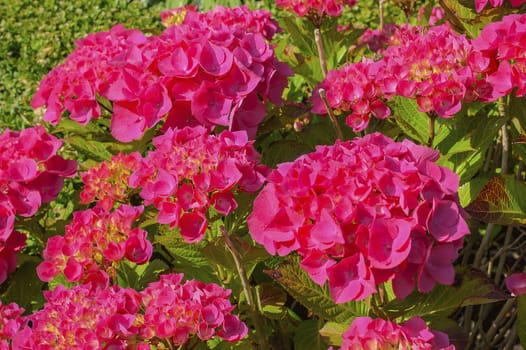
(31, 173)
(437, 67)
(107, 183)
(319, 8)
(111, 317)
(174, 310)
(240, 19)
(426, 65)
(362, 213)
(10, 322)
(500, 56)
(190, 171)
(95, 242)
(355, 88)
(212, 69)
(378, 334)
(481, 4)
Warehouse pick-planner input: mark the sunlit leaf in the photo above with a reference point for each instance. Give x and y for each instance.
(314, 297)
(502, 201)
(463, 18)
(413, 123)
(471, 287)
(333, 332)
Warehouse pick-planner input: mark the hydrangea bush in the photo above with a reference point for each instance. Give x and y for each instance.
(196, 188)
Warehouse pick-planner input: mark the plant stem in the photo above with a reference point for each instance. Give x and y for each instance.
(502, 258)
(483, 245)
(505, 140)
(254, 314)
(381, 14)
(495, 325)
(337, 128)
(432, 116)
(321, 51)
(505, 149)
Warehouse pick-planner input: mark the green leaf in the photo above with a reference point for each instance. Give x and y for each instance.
(472, 287)
(24, 286)
(272, 300)
(336, 43)
(69, 126)
(127, 277)
(301, 33)
(217, 252)
(307, 336)
(469, 191)
(190, 254)
(283, 151)
(462, 16)
(518, 125)
(521, 319)
(187, 258)
(333, 332)
(314, 297)
(413, 123)
(463, 141)
(92, 149)
(502, 201)
(136, 276)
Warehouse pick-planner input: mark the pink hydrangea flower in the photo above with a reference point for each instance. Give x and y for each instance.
(94, 242)
(11, 321)
(82, 318)
(364, 212)
(368, 334)
(318, 8)
(356, 88)
(107, 183)
(99, 316)
(207, 70)
(191, 170)
(31, 173)
(428, 65)
(177, 311)
(498, 58)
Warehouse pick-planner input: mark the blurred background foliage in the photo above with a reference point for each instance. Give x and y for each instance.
(38, 35)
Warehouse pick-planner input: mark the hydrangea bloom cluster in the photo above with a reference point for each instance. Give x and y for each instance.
(427, 65)
(210, 70)
(82, 318)
(104, 317)
(481, 4)
(31, 173)
(354, 88)
(499, 56)
(240, 19)
(315, 8)
(94, 242)
(431, 67)
(191, 170)
(10, 322)
(176, 311)
(107, 183)
(362, 213)
(378, 334)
